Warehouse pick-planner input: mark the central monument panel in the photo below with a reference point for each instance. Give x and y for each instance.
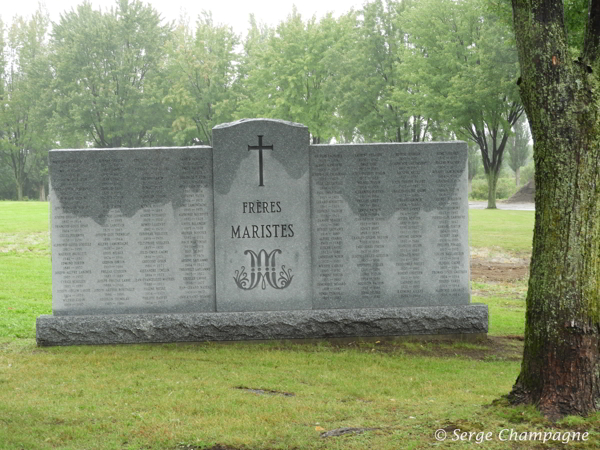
(262, 216)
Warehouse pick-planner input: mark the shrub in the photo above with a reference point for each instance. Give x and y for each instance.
(504, 189)
(527, 172)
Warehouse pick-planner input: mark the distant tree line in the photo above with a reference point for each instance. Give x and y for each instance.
(394, 71)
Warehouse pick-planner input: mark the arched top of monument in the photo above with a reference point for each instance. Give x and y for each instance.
(261, 152)
(241, 121)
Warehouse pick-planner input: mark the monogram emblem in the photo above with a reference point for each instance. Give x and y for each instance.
(263, 272)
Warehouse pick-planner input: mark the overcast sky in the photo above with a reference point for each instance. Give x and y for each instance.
(230, 12)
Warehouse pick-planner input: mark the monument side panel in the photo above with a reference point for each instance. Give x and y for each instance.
(390, 225)
(132, 231)
(262, 216)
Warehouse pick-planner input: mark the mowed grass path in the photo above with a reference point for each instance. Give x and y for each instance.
(192, 396)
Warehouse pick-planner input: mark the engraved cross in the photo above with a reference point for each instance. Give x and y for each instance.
(260, 147)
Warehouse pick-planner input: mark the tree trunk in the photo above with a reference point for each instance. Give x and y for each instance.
(492, 183)
(560, 372)
(42, 190)
(19, 191)
(518, 177)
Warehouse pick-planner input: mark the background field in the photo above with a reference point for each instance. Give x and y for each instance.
(276, 395)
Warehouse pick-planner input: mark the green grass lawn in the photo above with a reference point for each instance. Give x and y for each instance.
(25, 267)
(509, 231)
(23, 217)
(259, 396)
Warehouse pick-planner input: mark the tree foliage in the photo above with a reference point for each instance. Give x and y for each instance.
(107, 66)
(202, 71)
(287, 77)
(24, 138)
(468, 69)
(391, 71)
(473, 161)
(518, 150)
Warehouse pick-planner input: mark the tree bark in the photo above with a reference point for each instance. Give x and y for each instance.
(518, 177)
(560, 368)
(492, 183)
(19, 191)
(42, 191)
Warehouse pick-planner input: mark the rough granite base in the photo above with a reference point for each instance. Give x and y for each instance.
(271, 325)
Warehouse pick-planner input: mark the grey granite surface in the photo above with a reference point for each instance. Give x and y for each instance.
(132, 231)
(241, 326)
(390, 225)
(262, 216)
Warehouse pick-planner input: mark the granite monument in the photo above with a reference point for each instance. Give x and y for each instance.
(261, 236)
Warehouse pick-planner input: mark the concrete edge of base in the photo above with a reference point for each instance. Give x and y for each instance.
(268, 325)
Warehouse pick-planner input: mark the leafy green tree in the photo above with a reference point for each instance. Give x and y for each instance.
(201, 74)
(7, 185)
(24, 136)
(285, 77)
(107, 68)
(518, 151)
(2, 61)
(474, 162)
(528, 172)
(560, 371)
(38, 174)
(468, 68)
(374, 95)
(253, 46)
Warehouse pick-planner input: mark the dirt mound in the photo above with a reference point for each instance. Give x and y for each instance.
(524, 195)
